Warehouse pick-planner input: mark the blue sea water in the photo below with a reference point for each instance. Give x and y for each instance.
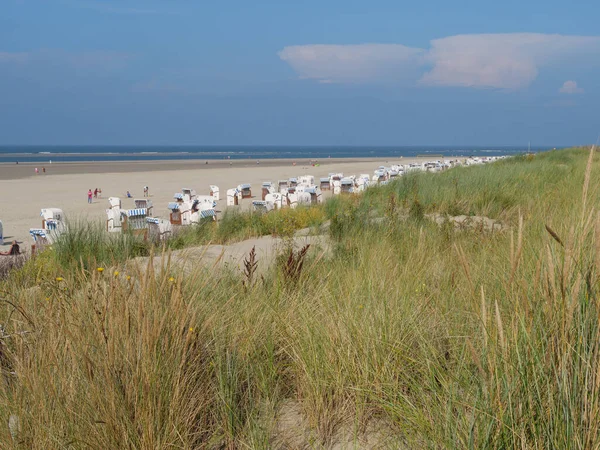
(89, 153)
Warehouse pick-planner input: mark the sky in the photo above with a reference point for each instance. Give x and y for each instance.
(278, 72)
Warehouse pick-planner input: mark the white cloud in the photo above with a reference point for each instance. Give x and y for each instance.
(505, 61)
(350, 63)
(570, 87)
(502, 61)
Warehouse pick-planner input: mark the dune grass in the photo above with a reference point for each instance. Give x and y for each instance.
(409, 335)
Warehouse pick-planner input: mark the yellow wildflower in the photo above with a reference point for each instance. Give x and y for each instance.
(172, 280)
(128, 277)
(100, 269)
(116, 274)
(191, 330)
(59, 278)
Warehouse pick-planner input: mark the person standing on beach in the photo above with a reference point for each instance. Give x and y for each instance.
(96, 193)
(36, 171)
(90, 194)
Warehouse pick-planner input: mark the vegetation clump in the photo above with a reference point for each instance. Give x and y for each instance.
(408, 335)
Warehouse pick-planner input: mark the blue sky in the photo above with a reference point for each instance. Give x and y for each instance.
(281, 72)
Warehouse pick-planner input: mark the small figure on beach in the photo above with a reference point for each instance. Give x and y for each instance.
(13, 250)
(146, 191)
(96, 193)
(36, 171)
(90, 194)
(128, 194)
(99, 192)
(43, 170)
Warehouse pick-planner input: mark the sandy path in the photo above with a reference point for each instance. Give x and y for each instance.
(233, 255)
(65, 185)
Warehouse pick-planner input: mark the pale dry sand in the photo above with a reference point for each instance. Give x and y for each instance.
(65, 185)
(232, 255)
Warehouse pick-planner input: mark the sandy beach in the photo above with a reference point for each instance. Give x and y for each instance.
(65, 185)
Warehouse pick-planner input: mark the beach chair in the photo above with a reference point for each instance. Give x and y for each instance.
(246, 190)
(214, 192)
(175, 215)
(260, 206)
(266, 189)
(233, 197)
(158, 229)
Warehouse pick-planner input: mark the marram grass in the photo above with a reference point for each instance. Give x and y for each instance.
(407, 335)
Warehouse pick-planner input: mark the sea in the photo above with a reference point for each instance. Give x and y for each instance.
(91, 153)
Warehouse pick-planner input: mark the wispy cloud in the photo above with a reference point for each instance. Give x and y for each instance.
(570, 87)
(502, 61)
(350, 63)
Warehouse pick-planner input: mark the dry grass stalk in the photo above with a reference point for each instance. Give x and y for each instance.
(597, 242)
(554, 235)
(586, 183)
(250, 266)
(465, 265)
(500, 327)
(484, 318)
(551, 276)
(516, 257)
(292, 268)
